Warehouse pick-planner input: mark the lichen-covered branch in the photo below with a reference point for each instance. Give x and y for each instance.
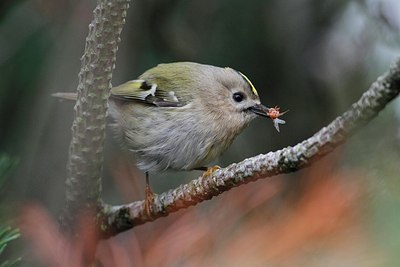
(120, 218)
(83, 184)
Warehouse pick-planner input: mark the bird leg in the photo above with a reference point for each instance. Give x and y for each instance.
(149, 200)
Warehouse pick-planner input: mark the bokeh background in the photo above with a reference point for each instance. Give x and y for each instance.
(312, 57)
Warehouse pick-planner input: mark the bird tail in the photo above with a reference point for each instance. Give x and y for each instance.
(66, 96)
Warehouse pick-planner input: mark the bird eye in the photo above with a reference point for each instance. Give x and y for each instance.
(238, 97)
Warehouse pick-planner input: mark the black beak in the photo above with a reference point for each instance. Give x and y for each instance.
(260, 110)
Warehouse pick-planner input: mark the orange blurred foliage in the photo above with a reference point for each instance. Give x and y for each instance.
(269, 222)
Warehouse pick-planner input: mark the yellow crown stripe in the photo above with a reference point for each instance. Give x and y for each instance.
(249, 82)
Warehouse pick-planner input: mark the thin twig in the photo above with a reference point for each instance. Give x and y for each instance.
(117, 219)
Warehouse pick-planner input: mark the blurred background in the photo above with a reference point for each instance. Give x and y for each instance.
(312, 57)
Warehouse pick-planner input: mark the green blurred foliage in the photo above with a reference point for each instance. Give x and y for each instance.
(7, 233)
(312, 57)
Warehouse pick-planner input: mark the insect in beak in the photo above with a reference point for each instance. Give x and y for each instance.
(272, 113)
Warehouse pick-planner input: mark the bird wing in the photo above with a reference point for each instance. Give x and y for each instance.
(148, 93)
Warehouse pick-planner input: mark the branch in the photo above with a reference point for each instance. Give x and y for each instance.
(83, 183)
(117, 219)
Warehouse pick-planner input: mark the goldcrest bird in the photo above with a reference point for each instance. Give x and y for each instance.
(183, 115)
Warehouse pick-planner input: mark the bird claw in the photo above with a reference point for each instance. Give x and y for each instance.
(149, 199)
(210, 170)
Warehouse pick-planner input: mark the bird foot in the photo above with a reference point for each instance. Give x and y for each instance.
(210, 170)
(149, 200)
